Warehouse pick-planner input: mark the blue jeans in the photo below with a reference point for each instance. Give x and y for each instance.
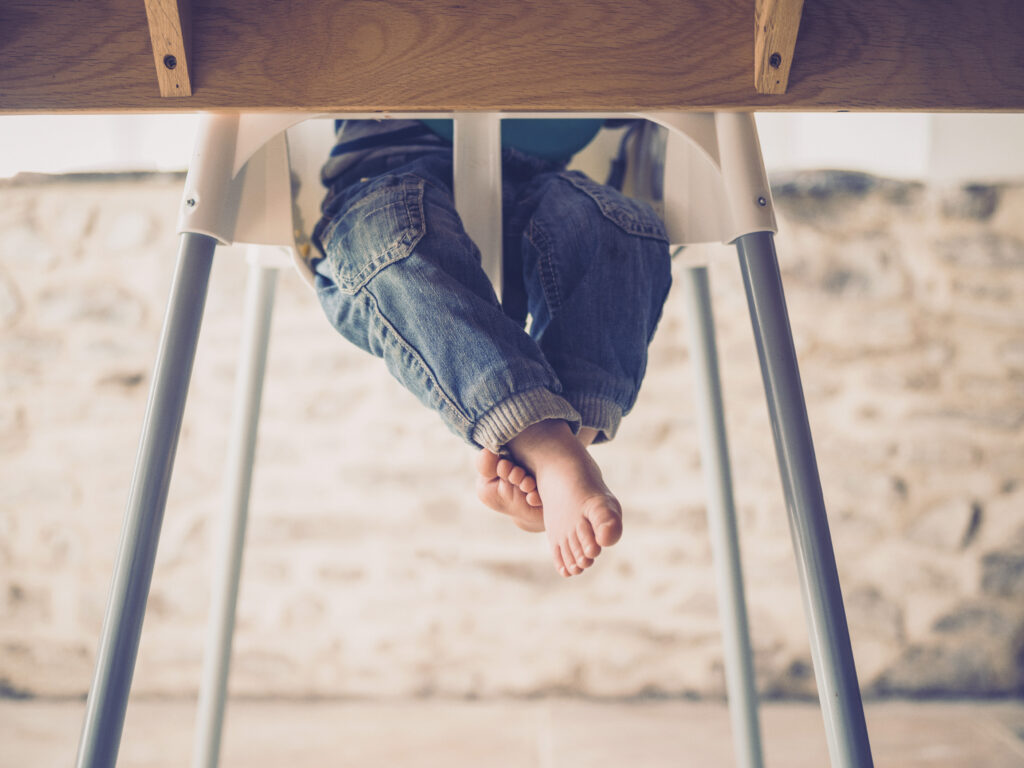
(402, 280)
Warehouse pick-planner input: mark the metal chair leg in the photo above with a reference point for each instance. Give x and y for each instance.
(831, 653)
(732, 607)
(259, 305)
(122, 624)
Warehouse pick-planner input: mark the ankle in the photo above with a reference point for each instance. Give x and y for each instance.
(586, 436)
(542, 443)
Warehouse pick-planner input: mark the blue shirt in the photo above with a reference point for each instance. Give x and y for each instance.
(550, 139)
(361, 142)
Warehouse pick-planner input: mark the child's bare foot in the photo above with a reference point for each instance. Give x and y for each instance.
(499, 496)
(507, 488)
(580, 514)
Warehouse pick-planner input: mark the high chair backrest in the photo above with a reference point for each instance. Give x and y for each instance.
(261, 188)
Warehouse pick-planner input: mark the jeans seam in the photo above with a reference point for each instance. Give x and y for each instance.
(415, 355)
(430, 183)
(659, 313)
(547, 273)
(621, 217)
(403, 245)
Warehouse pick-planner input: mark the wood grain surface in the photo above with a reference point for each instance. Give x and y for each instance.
(775, 26)
(365, 55)
(169, 28)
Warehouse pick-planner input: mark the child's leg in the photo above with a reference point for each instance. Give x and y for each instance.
(403, 281)
(597, 271)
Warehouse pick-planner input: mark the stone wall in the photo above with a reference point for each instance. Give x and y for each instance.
(372, 571)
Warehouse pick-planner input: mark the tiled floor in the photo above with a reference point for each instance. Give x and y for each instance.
(516, 734)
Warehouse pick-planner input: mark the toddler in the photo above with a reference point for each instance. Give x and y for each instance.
(533, 380)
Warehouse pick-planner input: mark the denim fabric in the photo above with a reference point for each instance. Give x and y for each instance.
(401, 279)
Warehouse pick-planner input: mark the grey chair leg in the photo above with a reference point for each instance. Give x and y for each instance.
(838, 690)
(259, 305)
(122, 624)
(732, 607)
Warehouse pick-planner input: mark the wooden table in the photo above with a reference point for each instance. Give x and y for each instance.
(368, 55)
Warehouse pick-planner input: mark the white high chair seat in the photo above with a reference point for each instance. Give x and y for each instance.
(715, 191)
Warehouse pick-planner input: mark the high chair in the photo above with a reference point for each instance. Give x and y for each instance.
(239, 190)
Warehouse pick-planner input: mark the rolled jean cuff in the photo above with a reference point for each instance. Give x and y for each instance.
(511, 416)
(598, 413)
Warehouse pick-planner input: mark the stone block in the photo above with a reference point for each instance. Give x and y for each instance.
(25, 603)
(833, 201)
(985, 250)
(22, 246)
(951, 669)
(948, 525)
(127, 229)
(13, 428)
(991, 617)
(104, 303)
(870, 612)
(977, 649)
(1003, 573)
(10, 301)
(63, 216)
(972, 202)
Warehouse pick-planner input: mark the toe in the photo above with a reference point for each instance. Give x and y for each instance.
(533, 499)
(588, 543)
(605, 518)
(516, 475)
(528, 484)
(504, 467)
(582, 560)
(569, 560)
(556, 555)
(487, 463)
(609, 532)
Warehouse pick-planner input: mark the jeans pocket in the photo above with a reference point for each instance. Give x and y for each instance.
(629, 215)
(377, 226)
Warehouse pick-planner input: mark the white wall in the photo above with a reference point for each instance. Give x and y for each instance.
(964, 147)
(78, 143)
(977, 146)
(936, 147)
(883, 144)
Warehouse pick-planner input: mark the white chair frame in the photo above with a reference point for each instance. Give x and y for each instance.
(239, 190)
